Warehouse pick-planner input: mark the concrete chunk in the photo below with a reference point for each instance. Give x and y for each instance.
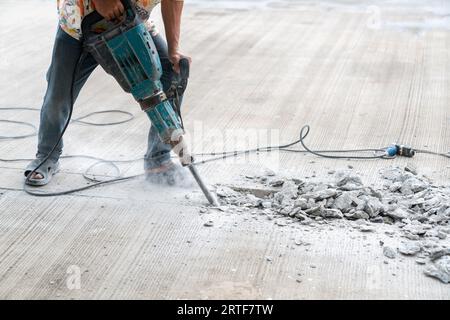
(440, 269)
(389, 252)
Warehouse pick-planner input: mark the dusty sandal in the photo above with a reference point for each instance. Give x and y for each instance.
(46, 170)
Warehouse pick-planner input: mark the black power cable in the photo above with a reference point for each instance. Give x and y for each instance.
(81, 120)
(23, 123)
(447, 155)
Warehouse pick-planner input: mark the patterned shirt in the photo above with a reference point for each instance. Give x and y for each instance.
(71, 12)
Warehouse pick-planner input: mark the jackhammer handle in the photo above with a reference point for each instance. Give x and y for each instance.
(127, 4)
(89, 20)
(94, 17)
(184, 68)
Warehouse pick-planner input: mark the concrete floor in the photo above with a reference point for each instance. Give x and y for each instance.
(361, 73)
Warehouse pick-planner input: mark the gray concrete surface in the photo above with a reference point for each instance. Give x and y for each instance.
(361, 73)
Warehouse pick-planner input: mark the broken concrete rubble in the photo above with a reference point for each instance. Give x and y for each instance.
(406, 200)
(209, 223)
(439, 269)
(389, 252)
(415, 203)
(397, 214)
(409, 248)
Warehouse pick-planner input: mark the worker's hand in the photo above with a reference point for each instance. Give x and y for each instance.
(175, 56)
(109, 9)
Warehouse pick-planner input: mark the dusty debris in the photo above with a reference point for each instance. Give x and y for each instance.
(224, 191)
(411, 168)
(438, 253)
(299, 242)
(366, 228)
(398, 214)
(331, 213)
(209, 223)
(439, 269)
(221, 208)
(389, 252)
(441, 235)
(281, 223)
(421, 261)
(413, 202)
(418, 210)
(409, 248)
(269, 173)
(276, 183)
(266, 204)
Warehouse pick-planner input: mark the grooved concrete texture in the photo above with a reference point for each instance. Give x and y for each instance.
(362, 74)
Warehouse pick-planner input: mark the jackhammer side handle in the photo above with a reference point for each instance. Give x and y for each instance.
(127, 4)
(181, 84)
(184, 68)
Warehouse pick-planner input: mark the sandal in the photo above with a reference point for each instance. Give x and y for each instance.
(46, 170)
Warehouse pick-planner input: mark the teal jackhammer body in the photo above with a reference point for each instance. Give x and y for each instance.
(126, 51)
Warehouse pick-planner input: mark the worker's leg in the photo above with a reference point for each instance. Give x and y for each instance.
(57, 100)
(158, 152)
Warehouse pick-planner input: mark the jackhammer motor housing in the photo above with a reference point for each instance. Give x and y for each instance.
(127, 52)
